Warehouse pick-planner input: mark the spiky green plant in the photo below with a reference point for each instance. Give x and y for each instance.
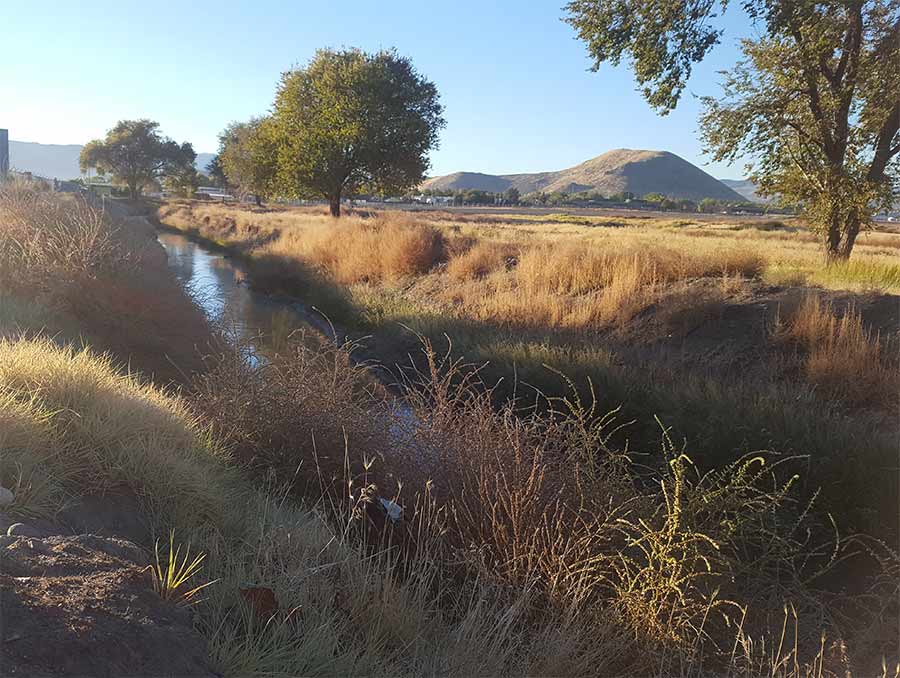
(170, 578)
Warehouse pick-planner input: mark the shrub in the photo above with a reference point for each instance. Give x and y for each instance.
(842, 356)
(482, 259)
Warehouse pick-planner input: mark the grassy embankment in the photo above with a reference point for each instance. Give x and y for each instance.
(538, 549)
(665, 318)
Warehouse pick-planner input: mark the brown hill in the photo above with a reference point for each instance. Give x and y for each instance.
(622, 170)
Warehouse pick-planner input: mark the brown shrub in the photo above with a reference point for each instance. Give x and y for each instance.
(481, 259)
(106, 276)
(843, 356)
(297, 414)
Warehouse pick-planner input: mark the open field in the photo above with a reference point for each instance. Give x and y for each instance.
(726, 332)
(533, 541)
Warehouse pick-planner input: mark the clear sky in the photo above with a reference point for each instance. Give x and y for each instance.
(514, 80)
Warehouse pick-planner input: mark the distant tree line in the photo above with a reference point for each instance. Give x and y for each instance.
(655, 201)
(347, 123)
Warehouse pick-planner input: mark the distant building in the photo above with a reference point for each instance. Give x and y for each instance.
(4, 153)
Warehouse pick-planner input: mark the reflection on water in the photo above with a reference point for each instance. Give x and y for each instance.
(216, 282)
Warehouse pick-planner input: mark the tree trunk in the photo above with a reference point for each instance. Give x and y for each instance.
(334, 205)
(841, 236)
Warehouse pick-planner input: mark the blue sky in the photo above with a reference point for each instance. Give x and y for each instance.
(514, 80)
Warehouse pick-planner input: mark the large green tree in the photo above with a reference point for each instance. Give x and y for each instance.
(248, 157)
(814, 104)
(351, 122)
(136, 154)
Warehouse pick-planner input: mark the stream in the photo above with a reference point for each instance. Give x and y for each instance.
(218, 283)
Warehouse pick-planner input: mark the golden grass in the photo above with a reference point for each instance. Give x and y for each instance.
(532, 551)
(70, 269)
(842, 354)
(102, 430)
(537, 547)
(482, 259)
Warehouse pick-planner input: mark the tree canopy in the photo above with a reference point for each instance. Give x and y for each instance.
(814, 104)
(248, 156)
(351, 121)
(136, 154)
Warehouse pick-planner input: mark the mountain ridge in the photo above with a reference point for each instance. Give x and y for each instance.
(617, 171)
(60, 161)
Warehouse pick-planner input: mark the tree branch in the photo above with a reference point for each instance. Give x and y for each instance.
(883, 149)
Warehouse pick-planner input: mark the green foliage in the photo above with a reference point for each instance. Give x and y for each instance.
(171, 577)
(136, 154)
(815, 103)
(217, 172)
(351, 122)
(662, 40)
(247, 157)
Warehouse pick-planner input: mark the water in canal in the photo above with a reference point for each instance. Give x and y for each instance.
(219, 284)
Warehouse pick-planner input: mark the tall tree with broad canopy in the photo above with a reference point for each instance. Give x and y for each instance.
(135, 154)
(814, 103)
(248, 157)
(354, 122)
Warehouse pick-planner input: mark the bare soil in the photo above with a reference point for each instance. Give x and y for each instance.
(84, 606)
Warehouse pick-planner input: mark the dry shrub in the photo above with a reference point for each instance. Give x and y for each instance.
(482, 259)
(570, 269)
(657, 562)
(544, 501)
(44, 237)
(317, 405)
(358, 250)
(843, 356)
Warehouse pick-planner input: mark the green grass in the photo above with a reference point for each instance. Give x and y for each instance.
(855, 274)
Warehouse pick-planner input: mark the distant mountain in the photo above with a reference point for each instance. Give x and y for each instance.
(203, 159)
(54, 161)
(618, 171)
(746, 188)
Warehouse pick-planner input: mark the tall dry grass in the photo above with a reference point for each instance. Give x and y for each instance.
(576, 283)
(622, 568)
(92, 275)
(842, 355)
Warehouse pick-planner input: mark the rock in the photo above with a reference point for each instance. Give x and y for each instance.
(6, 497)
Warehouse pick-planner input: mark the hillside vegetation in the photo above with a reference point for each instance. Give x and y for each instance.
(615, 172)
(531, 542)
